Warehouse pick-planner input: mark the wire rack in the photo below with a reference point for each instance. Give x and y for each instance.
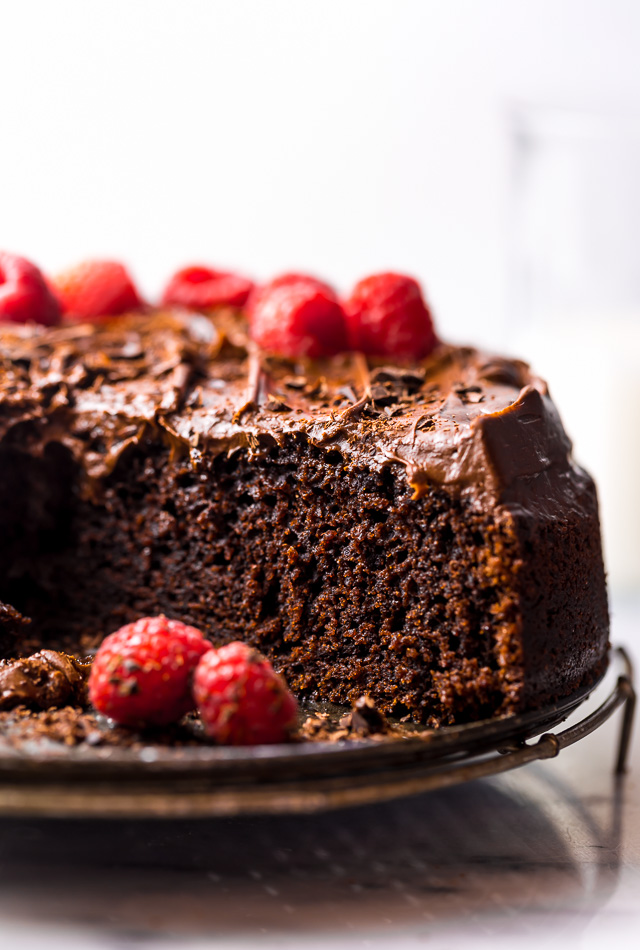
(206, 781)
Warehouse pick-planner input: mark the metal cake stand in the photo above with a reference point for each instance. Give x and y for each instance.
(51, 780)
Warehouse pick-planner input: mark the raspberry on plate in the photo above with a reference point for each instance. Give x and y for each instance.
(142, 673)
(387, 316)
(24, 293)
(295, 315)
(241, 699)
(94, 289)
(201, 288)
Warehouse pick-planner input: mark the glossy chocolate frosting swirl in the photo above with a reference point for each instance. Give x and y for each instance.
(462, 418)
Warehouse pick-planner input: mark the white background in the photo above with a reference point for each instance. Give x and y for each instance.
(338, 137)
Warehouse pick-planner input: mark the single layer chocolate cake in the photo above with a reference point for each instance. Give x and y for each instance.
(417, 532)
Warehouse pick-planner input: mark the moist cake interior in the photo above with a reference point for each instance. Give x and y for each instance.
(341, 580)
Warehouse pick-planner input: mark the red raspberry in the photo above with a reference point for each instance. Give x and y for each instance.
(24, 293)
(241, 699)
(296, 316)
(200, 288)
(387, 316)
(142, 673)
(96, 289)
(285, 280)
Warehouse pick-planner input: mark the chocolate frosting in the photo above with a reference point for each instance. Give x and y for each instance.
(479, 422)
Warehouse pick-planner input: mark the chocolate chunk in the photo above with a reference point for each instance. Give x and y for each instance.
(365, 719)
(383, 395)
(9, 614)
(44, 680)
(470, 394)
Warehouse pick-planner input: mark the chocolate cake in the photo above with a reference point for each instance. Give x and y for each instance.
(416, 532)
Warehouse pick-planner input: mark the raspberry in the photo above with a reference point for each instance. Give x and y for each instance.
(142, 673)
(200, 288)
(24, 293)
(295, 315)
(387, 316)
(285, 280)
(241, 699)
(96, 289)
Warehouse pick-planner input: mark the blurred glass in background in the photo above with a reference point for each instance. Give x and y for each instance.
(575, 282)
